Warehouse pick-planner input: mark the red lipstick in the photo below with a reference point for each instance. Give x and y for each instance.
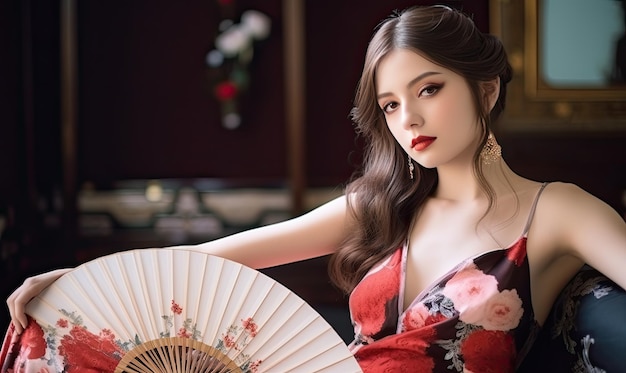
(422, 142)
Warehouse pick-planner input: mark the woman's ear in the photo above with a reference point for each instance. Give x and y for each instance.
(491, 92)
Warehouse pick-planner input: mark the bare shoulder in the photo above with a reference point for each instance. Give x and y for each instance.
(573, 215)
(561, 198)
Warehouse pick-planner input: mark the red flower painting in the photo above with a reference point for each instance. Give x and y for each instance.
(33, 341)
(86, 352)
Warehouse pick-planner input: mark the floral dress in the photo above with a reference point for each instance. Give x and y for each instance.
(476, 318)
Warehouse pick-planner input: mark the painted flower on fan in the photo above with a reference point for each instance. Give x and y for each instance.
(33, 344)
(107, 334)
(62, 323)
(250, 326)
(85, 352)
(236, 338)
(177, 309)
(254, 366)
(229, 341)
(183, 333)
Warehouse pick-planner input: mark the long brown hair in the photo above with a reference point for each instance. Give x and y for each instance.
(383, 199)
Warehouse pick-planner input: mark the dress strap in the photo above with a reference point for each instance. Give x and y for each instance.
(533, 208)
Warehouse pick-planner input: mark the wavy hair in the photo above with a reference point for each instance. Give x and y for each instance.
(382, 198)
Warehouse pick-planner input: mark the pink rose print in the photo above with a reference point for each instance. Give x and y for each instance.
(416, 317)
(62, 323)
(470, 289)
(503, 312)
(419, 316)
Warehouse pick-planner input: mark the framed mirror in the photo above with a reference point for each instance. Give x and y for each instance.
(568, 60)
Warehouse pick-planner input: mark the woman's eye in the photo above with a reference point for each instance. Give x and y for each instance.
(430, 90)
(389, 107)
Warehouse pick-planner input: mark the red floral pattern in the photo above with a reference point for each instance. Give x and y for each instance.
(176, 308)
(15, 354)
(87, 352)
(475, 319)
(384, 280)
(33, 345)
(235, 339)
(69, 347)
(488, 351)
(405, 352)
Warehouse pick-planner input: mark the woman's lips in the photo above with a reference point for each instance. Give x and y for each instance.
(422, 142)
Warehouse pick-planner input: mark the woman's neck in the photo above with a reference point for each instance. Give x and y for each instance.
(460, 184)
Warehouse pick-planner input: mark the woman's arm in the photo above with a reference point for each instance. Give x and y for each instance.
(316, 233)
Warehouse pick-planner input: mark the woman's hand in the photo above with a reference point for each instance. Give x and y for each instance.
(31, 287)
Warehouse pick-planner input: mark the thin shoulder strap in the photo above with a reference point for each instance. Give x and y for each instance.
(534, 207)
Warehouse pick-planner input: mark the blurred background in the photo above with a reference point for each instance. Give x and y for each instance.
(130, 124)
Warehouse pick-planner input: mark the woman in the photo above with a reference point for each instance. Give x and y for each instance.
(452, 260)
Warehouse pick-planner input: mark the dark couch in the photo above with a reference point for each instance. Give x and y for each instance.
(585, 331)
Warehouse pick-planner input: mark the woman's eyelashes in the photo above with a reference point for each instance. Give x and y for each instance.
(430, 90)
(388, 107)
(426, 91)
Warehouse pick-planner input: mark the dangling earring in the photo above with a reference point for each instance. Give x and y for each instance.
(411, 167)
(492, 151)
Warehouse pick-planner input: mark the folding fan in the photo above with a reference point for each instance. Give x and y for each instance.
(166, 310)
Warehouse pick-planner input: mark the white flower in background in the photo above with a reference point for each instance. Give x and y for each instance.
(233, 40)
(256, 24)
(214, 58)
(234, 51)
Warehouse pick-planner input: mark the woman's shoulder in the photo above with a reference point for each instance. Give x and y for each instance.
(563, 197)
(567, 210)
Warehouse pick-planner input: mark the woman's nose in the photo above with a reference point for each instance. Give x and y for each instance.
(411, 116)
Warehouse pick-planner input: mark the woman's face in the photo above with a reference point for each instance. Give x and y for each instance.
(428, 108)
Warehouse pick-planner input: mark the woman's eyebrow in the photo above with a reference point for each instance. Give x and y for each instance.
(411, 83)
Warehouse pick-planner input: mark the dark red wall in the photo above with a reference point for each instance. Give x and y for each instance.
(146, 110)
(146, 103)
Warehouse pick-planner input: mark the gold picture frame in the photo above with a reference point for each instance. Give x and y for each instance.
(533, 104)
